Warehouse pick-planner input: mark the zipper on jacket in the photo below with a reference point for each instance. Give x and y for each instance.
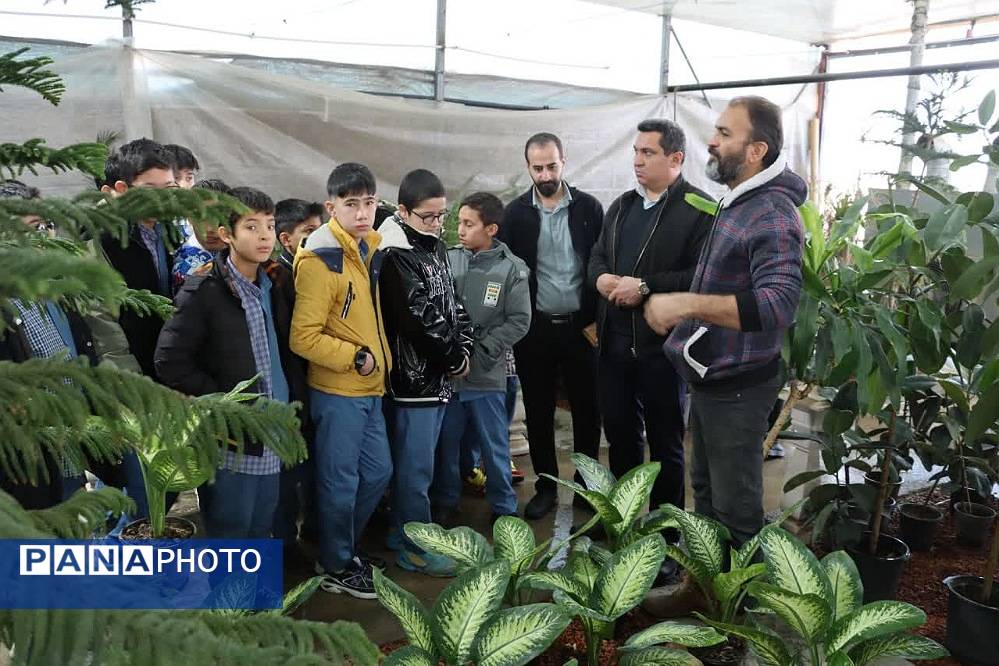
(634, 323)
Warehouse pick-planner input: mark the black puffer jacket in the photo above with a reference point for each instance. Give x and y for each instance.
(205, 347)
(429, 332)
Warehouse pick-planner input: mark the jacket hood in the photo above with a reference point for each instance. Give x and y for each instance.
(331, 236)
(776, 178)
(499, 249)
(396, 234)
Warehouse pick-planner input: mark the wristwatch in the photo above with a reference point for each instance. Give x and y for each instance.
(643, 289)
(359, 358)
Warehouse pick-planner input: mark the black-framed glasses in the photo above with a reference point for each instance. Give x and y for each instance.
(427, 218)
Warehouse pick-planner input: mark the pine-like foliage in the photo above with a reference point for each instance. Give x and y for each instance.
(69, 410)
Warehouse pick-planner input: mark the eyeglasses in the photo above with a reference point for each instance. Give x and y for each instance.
(428, 218)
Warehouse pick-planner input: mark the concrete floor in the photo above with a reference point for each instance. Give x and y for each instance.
(381, 626)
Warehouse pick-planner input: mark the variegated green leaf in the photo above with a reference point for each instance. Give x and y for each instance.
(768, 647)
(465, 605)
(407, 609)
(657, 520)
(600, 503)
(409, 656)
(839, 658)
(596, 476)
(574, 608)
(515, 636)
(600, 555)
(907, 646)
(704, 539)
(465, 546)
(881, 618)
(746, 554)
(513, 540)
(694, 567)
(847, 588)
(625, 580)
(793, 567)
(582, 569)
(690, 635)
(555, 580)
(659, 656)
(729, 585)
(808, 614)
(631, 493)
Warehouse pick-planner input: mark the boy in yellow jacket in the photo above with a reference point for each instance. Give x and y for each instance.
(337, 327)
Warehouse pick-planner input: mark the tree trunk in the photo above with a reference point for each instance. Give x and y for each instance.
(794, 395)
(917, 41)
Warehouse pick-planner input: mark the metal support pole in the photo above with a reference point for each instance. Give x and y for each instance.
(439, 55)
(664, 54)
(126, 24)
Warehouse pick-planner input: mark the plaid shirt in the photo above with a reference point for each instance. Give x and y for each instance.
(251, 298)
(45, 341)
(151, 239)
(753, 252)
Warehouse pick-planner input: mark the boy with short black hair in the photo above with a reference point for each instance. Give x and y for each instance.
(296, 219)
(185, 165)
(491, 283)
(202, 245)
(430, 339)
(338, 329)
(232, 323)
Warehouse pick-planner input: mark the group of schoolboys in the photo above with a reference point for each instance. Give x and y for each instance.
(341, 316)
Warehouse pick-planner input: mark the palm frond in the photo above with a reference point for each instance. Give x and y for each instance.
(17, 158)
(31, 73)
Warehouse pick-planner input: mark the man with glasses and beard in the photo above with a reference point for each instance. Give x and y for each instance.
(728, 330)
(553, 228)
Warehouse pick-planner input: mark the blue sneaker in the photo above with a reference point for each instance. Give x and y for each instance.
(393, 540)
(430, 564)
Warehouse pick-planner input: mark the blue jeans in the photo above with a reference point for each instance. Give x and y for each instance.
(471, 456)
(353, 467)
(239, 506)
(414, 432)
(296, 499)
(483, 420)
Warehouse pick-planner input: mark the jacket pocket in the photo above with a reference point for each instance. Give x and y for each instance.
(698, 347)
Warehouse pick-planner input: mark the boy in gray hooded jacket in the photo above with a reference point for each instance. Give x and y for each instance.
(491, 283)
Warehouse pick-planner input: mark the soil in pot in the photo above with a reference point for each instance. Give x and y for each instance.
(881, 571)
(973, 523)
(729, 653)
(873, 478)
(971, 625)
(173, 528)
(918, 526)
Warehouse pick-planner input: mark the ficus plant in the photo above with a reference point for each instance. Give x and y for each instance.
(821, 603)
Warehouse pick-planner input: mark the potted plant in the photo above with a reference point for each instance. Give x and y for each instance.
(973, 613)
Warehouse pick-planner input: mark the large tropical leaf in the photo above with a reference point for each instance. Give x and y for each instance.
(657, 520)
(407, 609)
(768, 647)
(847, 588)
(409, 656)
(808, 614)
(631, 493)
(907, 646)
(945, 226)
(581, 568)
(465, 546)
(659, 656)
(555, 580)
(703, 538)
(600, 503)
(596, 476)
(744, 556)
(839, 658)
(465, 605)
(694, 567)
(690, 635)
(881, 618)
(792, 566)
(513, 540)
(575, 608)
(515, 636)
(625, 580)
(728, 585)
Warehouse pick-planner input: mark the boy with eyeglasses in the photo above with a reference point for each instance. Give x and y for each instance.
(430, 338)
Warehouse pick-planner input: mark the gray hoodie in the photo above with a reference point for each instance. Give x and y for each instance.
(492, 285)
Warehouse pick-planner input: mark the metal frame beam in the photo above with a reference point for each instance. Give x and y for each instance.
(667, 20)
(440, 46)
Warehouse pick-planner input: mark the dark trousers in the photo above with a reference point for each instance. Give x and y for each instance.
(726, 466)
(636, 390)
(546, 352)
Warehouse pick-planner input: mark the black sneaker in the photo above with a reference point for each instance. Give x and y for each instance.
(356, 580)
(372, 561)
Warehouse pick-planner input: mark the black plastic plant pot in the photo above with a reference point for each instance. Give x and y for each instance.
(973, 522)
(887, 513)
(967, 495)
(174, 527)
(873, 478)
(880, 572)
(972, 635)
(918, 526)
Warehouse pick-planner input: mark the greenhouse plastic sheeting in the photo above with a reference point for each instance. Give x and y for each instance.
(283, 134)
